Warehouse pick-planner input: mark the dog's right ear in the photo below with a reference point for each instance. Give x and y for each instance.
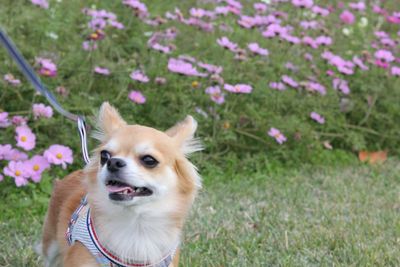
(108, 121)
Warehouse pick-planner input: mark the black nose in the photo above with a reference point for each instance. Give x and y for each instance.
(115, 164)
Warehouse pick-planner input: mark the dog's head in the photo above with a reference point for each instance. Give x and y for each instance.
(137, 165)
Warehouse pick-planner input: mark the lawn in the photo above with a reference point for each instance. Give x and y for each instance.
(345, 216)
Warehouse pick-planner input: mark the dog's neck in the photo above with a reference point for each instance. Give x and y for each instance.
(143, 234)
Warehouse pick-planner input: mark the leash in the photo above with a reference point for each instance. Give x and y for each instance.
(29, 73)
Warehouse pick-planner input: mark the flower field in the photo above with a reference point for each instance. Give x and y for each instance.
(272, 83)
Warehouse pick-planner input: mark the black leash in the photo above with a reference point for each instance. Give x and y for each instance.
(29, 73)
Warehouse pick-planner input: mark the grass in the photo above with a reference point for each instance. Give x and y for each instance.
(323, 217)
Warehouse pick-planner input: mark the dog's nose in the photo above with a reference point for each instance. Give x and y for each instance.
(115, 164)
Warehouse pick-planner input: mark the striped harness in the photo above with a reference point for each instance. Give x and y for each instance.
(81, 229)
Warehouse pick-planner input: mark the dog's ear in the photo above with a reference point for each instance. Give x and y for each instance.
(108, 121)
(183, 134)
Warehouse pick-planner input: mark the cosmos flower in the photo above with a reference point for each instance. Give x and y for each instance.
(215, 94)
(35, 167)
(40, 110)
(139, 76)
(384, 55)
(5, 151)
(47, 67)
(303, 3)
(341, 85)
(102, 71)
(316, 87)
(19, 120)
(25, 137)
(277, 86)
(17, 170)
(210, 68)
(238, 88)
(279, 137)
(317, 117)
(184, 68)
(41, 3)
(347, 17)
(395, 71)
(226, 43)
(59, 155)
(256, 49)
(14, 154)
(89, 45)
(289, 81)
(10, 79)
(4, 121)
(137, 97)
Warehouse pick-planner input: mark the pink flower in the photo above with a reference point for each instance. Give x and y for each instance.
(5, 151)
(395, 71)
(360, 63)
(238, 88)
(17, 170)
(13, 154)
(9, 78)
(35, 166)
(277, 86)
(139, 8)
(341, 85)
(59, 155)
(4, 121)
(347, 17)
(48, 68)
(316, 87)
(102, 71)
(215, 94)
(97, 23)
(279, 137)
(41, 3)
(384, 55)
(25, 138)
(1, 177)
(139, 76)
(260, 7)
(211, 68)
(290, 81)
(184, 68)
(116, 24)
(320, 11)
(19, 120)
(303, 3)
(137, 97)
(197, 12)
(360, 6)
(40, 110)
(226, 43)
(323, 40)
(256, 49)
(317, 117)
(89, 45)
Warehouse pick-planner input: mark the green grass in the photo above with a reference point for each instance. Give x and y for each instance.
(313, 217)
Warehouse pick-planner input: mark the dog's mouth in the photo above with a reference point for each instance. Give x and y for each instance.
(121, 191)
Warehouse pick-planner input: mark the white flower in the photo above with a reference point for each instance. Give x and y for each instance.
(363, 22)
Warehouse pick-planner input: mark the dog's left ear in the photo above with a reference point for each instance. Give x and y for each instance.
(108, 121)
(183, 134)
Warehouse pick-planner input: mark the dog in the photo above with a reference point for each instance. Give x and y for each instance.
(127, 207)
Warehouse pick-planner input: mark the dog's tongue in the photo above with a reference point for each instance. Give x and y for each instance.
(116, 188)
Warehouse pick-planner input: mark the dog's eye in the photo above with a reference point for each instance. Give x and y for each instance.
(148, 161)
(104, 157)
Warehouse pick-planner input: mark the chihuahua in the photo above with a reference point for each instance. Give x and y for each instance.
(127, 207)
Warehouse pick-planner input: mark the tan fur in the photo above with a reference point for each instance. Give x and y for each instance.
(167, 147)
